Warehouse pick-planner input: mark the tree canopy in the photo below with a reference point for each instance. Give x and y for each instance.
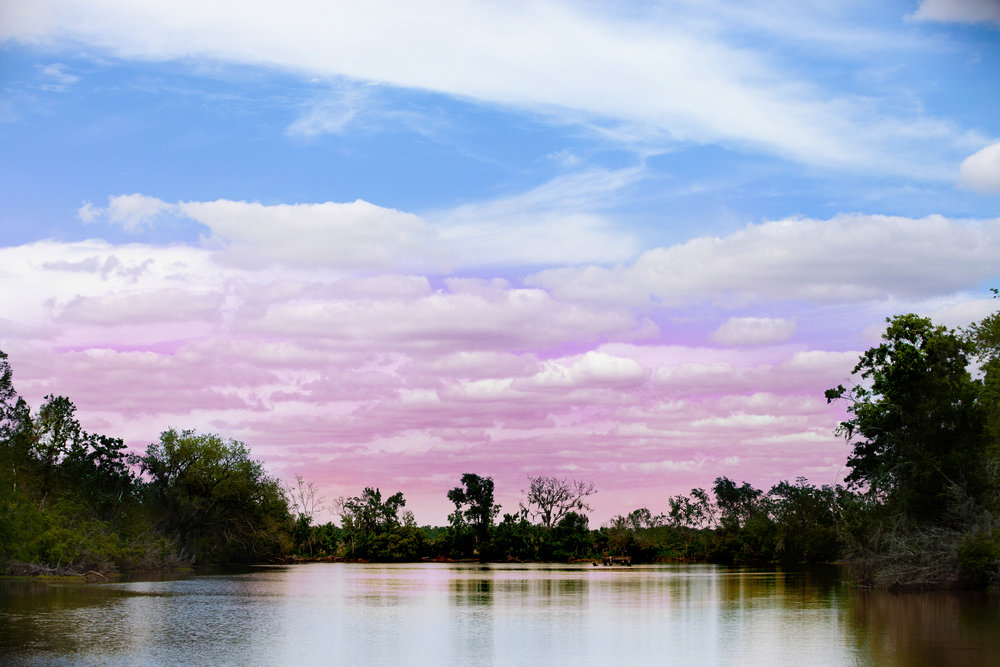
(917, 420)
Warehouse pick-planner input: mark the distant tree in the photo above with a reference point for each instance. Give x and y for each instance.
(806, 522)
(571, 537)
(304, 502)
(549, 499)
(737, 504)
(642, 518)
(695, 510)
(474, 507)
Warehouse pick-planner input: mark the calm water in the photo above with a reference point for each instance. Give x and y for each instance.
(438, 614)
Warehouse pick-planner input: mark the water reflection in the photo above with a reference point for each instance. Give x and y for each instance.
(933, 628)
(493, 615)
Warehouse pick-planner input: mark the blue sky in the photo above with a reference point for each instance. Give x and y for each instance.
(630, 201)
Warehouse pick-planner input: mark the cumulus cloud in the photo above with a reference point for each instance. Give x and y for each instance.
(959, 11)
(355, 235)
(848, 258)
(557, 223)
(662, 76)
(754, 330)
(591, 368)
(981, 170)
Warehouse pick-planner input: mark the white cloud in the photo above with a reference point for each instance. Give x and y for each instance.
(556, 223)
(660, 75)
(959, 11)
(754, 330)
(981, 170)
(132, 212)
(848, 258)
(351, 235)
(591, 368)
(331, 115)
(57, 78)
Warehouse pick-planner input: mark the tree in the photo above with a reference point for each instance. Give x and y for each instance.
(737, 504)
(549, 499)
(373, 525)
(474, 507)
(216, 501)
(984, 337)
(15, 425)
(917, 420)
(695, 511)
(55, 432)
(370, 514)
(304, 503)
(806, 521)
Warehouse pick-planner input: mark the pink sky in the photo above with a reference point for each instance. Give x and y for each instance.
(354, 377)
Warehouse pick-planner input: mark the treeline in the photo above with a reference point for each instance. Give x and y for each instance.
(920, 505)
(73, 501)
(792, 523)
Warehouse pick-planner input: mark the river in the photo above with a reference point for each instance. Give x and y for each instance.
(471, 614)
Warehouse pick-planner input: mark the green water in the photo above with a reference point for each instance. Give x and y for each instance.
(464, 614)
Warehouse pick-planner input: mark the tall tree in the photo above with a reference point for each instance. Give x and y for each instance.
(474, 506)
(15, 423)
(917, 420)
(549, 499)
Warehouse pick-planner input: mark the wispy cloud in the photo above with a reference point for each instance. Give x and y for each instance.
(659, 73)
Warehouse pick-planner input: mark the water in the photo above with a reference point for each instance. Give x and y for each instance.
(465, 614)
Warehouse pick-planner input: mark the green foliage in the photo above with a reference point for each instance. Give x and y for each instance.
(979, 558)
(214, 499)
(373, 529)
(515, 539)
(474, 512)
(805, 522)
(918, 423)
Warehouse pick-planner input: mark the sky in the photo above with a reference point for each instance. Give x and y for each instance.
(388, 243)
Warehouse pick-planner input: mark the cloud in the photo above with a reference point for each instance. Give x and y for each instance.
(133, 213)
(556, 223)
(981, 170)
(591, 368)
(754, 331)
(145, 307)
(849, 258)
(331, 115)
(659, 76)
(559, 222)
(356, 234)
(959, 11)
(57, 78)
